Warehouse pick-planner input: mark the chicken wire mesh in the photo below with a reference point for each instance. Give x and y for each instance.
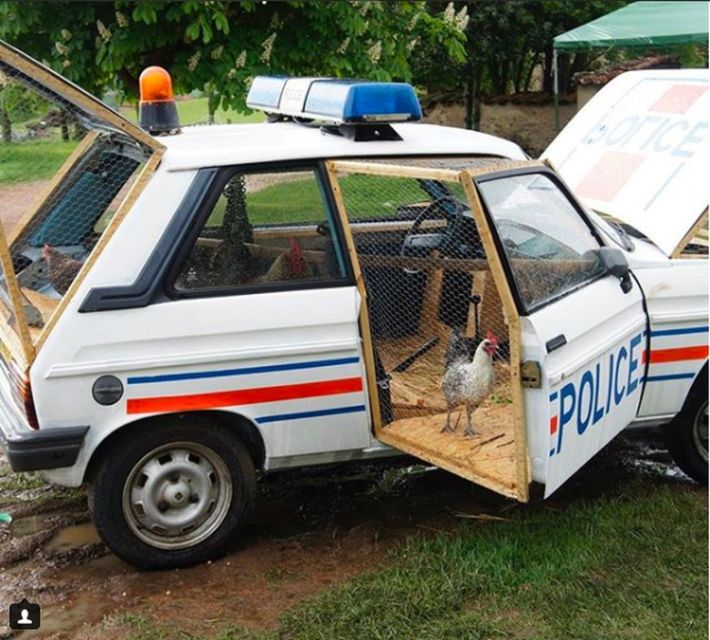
(439, 334)
(53, 213)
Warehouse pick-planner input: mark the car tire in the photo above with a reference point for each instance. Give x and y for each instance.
(687, 436)
(174, 494)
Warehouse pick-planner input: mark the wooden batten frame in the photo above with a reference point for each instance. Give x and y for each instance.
(50, 189)
(146, 172)
(514, 484)
(24, 351)
(522, 471)
(393, 170)
(506, 165)
(77, 97)
(692, 233)
(365, 331)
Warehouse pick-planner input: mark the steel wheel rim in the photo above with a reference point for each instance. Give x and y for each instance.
(177, 495)
(700, 431)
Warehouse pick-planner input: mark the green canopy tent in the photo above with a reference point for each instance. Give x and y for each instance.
(639, 24)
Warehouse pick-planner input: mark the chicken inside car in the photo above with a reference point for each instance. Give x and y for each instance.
(184, 308)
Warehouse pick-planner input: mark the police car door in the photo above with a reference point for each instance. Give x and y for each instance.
(583, 328)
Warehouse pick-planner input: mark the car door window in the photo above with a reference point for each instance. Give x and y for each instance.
(266, 230)
(549, 247)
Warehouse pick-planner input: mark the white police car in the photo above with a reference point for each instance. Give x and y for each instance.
(185, 308)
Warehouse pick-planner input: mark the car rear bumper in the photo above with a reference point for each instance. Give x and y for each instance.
(44, 449)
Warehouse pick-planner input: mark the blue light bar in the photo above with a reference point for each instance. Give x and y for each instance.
(336, 101)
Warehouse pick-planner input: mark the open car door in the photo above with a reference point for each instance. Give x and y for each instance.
(440, 332)
(82, 180)
(584, 331)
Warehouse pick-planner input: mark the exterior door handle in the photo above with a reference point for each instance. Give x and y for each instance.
(556, 343)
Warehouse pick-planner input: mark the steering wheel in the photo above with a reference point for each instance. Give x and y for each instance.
(415, 244)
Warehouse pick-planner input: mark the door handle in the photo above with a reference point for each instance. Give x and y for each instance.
(556, 343)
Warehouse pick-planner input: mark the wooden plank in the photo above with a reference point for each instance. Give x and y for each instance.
(432, 297)
(49, 190)
(18, 311)
(480, 459)
(265, 250)
(694, 230)
(79, 98)
(504, 165)
(150, 166)
(359, 227)
(506, 296)
(44, 304)
(365, 332)
(394, 170)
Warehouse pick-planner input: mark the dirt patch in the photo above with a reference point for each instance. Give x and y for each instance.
(17, 199)
(313, 530)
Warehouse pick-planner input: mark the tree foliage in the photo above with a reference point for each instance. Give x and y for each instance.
(218, 46)
(506, 40)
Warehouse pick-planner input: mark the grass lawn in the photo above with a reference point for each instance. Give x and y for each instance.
(627, 566)
(300, 201)
(194, 111)
(32, 160)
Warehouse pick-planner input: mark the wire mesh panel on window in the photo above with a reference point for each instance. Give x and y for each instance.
(551, 251)
(52, 238)
(439, 333)
(267, 229)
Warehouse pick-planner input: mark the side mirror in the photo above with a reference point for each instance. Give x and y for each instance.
(616, 264)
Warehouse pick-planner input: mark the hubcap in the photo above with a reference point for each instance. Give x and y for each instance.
(177, 495)
(700, 431)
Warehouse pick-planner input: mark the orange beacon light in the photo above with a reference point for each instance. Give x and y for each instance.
(157, 108)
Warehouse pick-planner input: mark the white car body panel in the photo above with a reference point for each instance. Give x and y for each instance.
(223, 145)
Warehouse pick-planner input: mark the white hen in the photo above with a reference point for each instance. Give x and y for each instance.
(469, 382)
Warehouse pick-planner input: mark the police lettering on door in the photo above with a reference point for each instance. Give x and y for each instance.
(581, 404)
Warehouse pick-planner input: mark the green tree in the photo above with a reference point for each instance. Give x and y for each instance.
(505, 41)
(218, 46)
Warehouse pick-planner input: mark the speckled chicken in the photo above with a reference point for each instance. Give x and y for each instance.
(469, 382)
(62, 269)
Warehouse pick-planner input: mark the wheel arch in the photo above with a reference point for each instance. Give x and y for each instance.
(247, 431)
(699, 385)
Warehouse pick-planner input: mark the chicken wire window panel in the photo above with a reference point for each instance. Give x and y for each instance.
(50, 250)
(431, 301)
(266, 229)
(550, 249)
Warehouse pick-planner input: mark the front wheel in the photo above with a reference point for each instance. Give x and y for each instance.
(688, 437)
(173, 495)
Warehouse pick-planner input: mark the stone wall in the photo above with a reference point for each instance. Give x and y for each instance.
(531, 126)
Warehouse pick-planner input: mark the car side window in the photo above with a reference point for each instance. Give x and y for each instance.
(550, 249)
(266, 230)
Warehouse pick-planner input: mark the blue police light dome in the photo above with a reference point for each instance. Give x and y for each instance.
(335, 101)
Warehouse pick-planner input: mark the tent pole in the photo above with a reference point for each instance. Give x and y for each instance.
(556, 90)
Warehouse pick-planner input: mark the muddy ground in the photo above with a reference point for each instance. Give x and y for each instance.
(312, 530)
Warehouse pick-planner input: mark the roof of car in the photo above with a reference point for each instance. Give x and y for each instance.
(219, 145)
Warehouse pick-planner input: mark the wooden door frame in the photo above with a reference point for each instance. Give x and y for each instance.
(512, 319)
